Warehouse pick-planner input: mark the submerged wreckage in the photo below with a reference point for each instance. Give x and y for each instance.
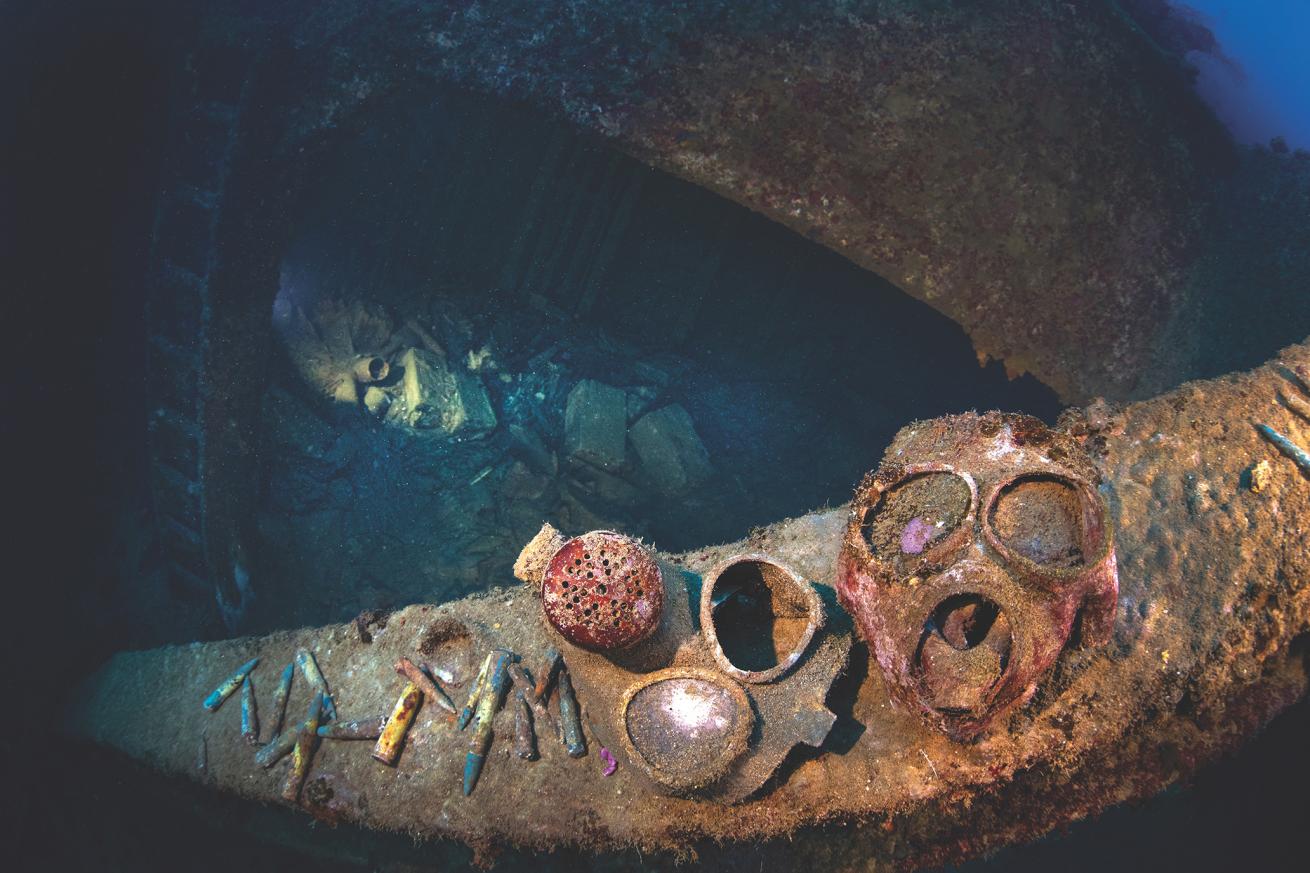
(1010, 628)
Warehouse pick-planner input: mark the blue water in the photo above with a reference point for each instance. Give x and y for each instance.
(1264, 91)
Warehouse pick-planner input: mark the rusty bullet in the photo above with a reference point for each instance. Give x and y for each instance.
(229, 685)
(431, 690)
(314, 676)
(359, 729)
(525, 741)
(303, 752)
(488, 704)
(388, 745)
(570, 717)
(475, 692)
(540, 715)
(280, 697)
(249, 713)
(547, 675)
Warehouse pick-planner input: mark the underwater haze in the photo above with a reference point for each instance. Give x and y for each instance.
(614, 435)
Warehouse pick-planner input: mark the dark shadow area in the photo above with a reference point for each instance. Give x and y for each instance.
(759, 615)
(795, 367)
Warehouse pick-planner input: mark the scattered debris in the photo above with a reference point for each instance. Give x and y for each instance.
(672, 455)
(228, 686)
(367, 620)
(1260, 476)
(483, 360)
(595, 424)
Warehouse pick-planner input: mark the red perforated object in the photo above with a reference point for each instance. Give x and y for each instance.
(603, 591)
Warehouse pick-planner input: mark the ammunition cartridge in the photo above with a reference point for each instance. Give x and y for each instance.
(431, 690)
(492, 695)
(249, 713)
(525, 741)
(359, 729)
(229, 685)
(475, 692)
(546, 677)
(570, 718)
(280, 698)
(314, 676)
(303, 753)
(387, 749)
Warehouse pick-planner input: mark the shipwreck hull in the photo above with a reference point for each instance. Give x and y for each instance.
(1212, 603)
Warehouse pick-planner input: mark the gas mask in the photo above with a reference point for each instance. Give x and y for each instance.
(968, 557)
(702, 683)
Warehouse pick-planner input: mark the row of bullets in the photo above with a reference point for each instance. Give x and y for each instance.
(301, 741)
(499, 669)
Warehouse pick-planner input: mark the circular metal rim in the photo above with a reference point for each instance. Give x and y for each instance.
(733, 749)
(813, 603)
(1091, 502)
(870, 495)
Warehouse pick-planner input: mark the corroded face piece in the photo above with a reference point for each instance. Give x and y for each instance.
(967, 558)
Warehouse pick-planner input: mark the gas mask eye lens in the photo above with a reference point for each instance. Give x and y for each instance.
(914, 515)
(1041, 518)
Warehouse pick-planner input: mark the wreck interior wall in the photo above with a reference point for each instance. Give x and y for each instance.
(501, 229)
(79, 813)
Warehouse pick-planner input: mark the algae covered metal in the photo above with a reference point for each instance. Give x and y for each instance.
(1161, 485)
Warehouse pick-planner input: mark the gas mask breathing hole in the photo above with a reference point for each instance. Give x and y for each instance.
(760, 616)
(965, 620)
(1041, 518)
(914, 514)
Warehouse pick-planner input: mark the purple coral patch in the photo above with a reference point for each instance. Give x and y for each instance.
(610, 764)
(915, 536)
